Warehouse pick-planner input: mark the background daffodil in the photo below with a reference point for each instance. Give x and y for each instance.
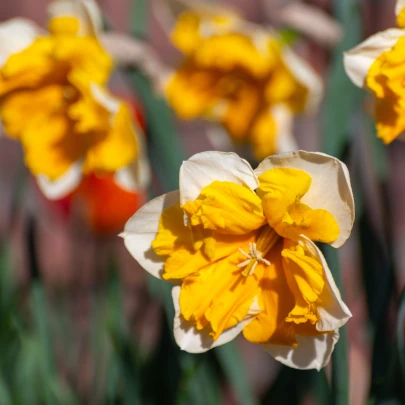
(54, 100)
(238, 244)
(241, 76)
(377, 65)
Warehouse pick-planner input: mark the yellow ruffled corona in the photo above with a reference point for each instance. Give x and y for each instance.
(241, 77)
(239, 245)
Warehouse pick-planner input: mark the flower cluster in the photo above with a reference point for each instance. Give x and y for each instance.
(241, 76)
(238, 244)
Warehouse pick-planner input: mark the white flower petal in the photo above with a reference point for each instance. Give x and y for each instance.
(399, 6)
(204, 168)
(333, 312)
(86, 11)
(105, 99)
(330, 188)
(219, 138)
(312, 352)
(65, 184)
(192, 340)
(168, 11)
(309, 20)
(307, 76)
(15, 35)
(141, 230)
(285, 140)
(358, 60)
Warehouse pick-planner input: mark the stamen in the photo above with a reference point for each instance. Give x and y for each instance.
(255, 256)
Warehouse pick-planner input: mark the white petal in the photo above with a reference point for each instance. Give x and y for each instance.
(358, 60)
(204, 168)
(61, 187)
(333, 312)
(15, 35)
(305, 75)
(105, 99)
(192, 340)
(219, 138)
(86, 11)
(141, 230)
(285, 141)
(311, 21)
(312, 352)
(330, 188)
(168, 11)
(399, 6)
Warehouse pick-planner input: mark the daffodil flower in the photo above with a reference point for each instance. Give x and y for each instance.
(54, 100)
(377, 65)
(242, 76)
(237, 244)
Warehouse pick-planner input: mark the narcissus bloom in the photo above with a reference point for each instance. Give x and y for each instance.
(54, 100)
(100, 202)
(238, 245)
(241, 76)
(377, 65)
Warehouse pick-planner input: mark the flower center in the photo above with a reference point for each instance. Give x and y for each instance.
(267, 239)
(253, 257)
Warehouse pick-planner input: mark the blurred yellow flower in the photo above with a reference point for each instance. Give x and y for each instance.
(377, 65)
(53, 99)
(238, 245)
(241, 76)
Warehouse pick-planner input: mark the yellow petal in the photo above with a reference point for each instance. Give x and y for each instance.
(84, 54)
(306, 281)
(234, 51)
(401, 18)
(281, 190)
(191, 91)
(19, 108)
(186, 35)
(263, 135)
(276, 301)
(29, 67)
(385, 79)
(117, 149)
(227, 208)
(283, 87)
(53, 152)
(172, 232)
(187, 259)
(64, 26)
(219, 294)
(241, 98)
(191, 249)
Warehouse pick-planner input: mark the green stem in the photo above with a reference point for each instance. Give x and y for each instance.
(340, 367)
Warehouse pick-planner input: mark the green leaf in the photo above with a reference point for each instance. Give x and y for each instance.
(401, 337)
(166, 152)
(139, 18)
(340, 367)
(200, 383)
(234, 369)
(343, 98)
